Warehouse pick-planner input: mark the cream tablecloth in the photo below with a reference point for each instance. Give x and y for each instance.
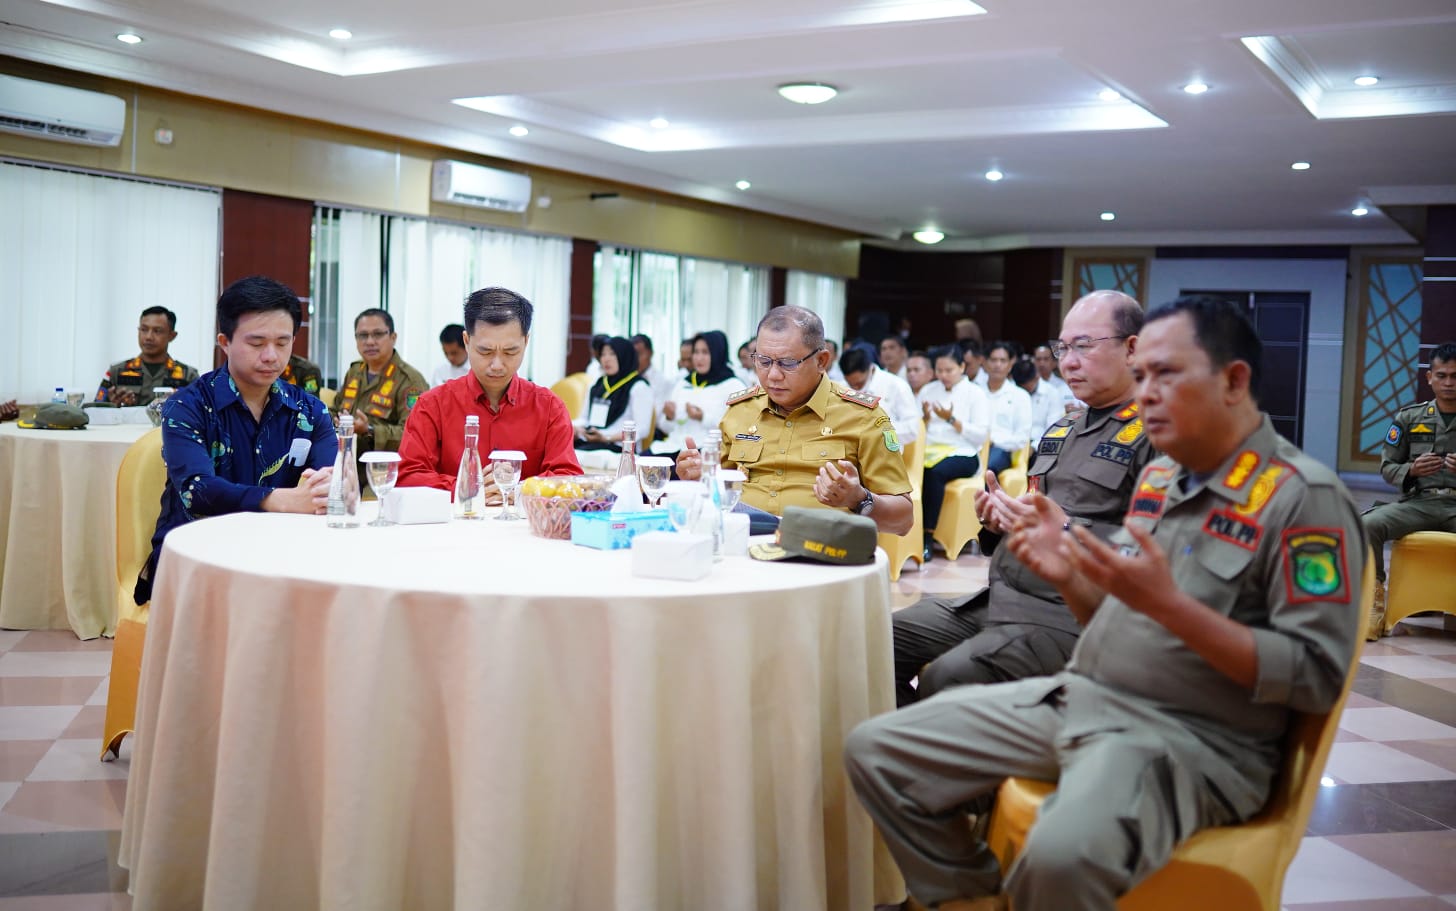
(58, 526)
(466, 716)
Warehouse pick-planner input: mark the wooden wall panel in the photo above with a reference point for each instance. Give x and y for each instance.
(272, 236)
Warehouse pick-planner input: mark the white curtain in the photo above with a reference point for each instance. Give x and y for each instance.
(539, 269)
(824, 294)
(730, 297)
(360, 276)
(612, 299)
(81, 256)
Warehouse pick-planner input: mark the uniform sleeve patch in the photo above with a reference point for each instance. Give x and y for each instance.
(1392, 436)
(892, 442)
(409, 400)
(1314, 565)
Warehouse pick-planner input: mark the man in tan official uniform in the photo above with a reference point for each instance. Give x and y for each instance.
(1419, 459)
(1228, 602)
(1087, 463)
(380, 389)
(804, 441)
(303, 373)
(131, 382)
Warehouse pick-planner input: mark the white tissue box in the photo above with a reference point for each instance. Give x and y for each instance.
(669, 555)
(735, 534)
(416, 506)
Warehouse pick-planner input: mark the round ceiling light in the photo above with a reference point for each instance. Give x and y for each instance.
(659, 123)
(929, 236)
(1110, 95)
(1196, 88)
(1359, 211)
(1366, 81)
(340, 34)
(1299, 166)
(743, 185)
(129, 38)
(519, 130)
(1108, 216)
(994, 175)
(808, 92)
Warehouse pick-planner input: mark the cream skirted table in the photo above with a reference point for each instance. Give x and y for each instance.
(467, 716)
(58, 526)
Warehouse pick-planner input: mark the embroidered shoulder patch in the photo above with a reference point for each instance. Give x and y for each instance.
(1392, 436)
(1244, 466)
(859, 398)
(1422, 428)
(409, 400)
(1265, 484)
(1314, 565)
(1129, 433)
(745, 395)
(892, 442)
(1127, 413)
(1057, 432)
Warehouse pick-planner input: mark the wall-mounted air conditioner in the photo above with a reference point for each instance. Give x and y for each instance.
(472, 185)
(45, 110)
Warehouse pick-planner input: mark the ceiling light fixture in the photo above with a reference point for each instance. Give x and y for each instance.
(129, 38)
(743, 185)
(519, 131)
(659, 123)
(1108, 216)
(994, 175)
(808, 92)
(1365, 81)
(1299, 166)
(1110, 95)
(1196, 88)
(929, 236)
(1359, 211)
(340, 34)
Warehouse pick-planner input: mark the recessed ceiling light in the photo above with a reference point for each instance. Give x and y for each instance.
(129, 38)
(659, 123)
(1195, 88)
(929, 236)
(1359, 211)
(1299, 166)
(743, 185)
(1108, 216)
(1366, 80)
(519, 130)
(1110, 95)
(340, 34)
(808, 92)
(994, 175)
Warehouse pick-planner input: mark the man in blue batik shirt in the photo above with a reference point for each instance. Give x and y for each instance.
(240, 439)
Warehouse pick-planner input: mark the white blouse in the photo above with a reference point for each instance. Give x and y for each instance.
(712, 399)
(969, 405)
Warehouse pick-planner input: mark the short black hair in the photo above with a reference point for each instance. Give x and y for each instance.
(375, 311)
(497, 306)
(954, 352)
(1023, 371)
(968, 346)
(162, 311)
(644, 340)
(1444, 352)
(918, 353)
(255, 294)
(1222, 329)
(897, 340)
(1013, 350)
(853, 360)
(453, 334)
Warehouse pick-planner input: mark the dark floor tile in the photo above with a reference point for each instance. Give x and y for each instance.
(1355, 809)
(1421, 858)
(58, 863)
(1432, 799)
(1431, 702)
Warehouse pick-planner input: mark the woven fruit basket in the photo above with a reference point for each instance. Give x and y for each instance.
(549, 502)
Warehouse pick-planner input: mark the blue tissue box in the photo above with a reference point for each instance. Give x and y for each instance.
(605, 531)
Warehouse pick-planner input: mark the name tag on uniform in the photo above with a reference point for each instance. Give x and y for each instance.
(596, 415)
(750, 437)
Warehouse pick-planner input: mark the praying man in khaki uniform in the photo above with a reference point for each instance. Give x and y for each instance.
(804, 441)
(131, 382)
(380, 389)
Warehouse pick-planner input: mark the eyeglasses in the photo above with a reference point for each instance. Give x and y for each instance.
(786, 364)
(371, 336)
(1083, 346)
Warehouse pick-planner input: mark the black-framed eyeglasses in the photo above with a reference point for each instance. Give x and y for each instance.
(1083, 346)
(786, 364)
(371, 336)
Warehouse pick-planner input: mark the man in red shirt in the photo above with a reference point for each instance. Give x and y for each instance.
(514, 412)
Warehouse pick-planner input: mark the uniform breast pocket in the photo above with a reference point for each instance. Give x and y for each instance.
(1102, 472)
(823, 450)
(1420, 444)
(1221, 556)
(746, 452)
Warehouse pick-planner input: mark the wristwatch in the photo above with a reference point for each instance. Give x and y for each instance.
(867, 505)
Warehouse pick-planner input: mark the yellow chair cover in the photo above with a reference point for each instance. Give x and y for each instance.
(1422, 576)
(1014, 479)
(572, 390)
(958, 525)
(327, 396)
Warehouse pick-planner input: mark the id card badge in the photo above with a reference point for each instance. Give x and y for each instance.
(596, 415)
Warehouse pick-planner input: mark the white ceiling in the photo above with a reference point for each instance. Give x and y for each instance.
(933, 93)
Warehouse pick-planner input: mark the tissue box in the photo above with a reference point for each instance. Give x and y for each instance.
(415, 506)
(614, 531)
(668, 555)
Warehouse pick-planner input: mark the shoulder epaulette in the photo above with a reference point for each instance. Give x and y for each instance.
(1127, 413)
(745, 395)
(859, 398)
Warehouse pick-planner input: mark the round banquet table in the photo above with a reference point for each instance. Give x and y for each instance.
(467, 716)
(58, 526)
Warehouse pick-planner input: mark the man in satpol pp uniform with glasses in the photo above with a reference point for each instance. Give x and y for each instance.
(380, 389)
(803, 442)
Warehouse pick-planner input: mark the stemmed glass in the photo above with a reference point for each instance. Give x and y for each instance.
(382, 469)
(684, 503)
(506, 469)
(653, 473)
(733, 480)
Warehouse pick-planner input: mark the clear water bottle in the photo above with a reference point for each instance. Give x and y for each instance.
(627, 464)
(469, 491)
(343, 507)
(59, 396)
(710, 517)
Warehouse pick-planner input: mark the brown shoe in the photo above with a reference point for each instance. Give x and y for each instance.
(1376, 629)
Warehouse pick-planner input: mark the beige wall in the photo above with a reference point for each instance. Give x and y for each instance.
(246, 149)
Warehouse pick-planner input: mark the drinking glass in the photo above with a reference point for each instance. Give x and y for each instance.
(732, 480)
(684, 502)
(506, 468)
(382, 469)
(653, 473)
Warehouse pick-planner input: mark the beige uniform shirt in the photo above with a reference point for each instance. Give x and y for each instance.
(782, 453)
(386, 400)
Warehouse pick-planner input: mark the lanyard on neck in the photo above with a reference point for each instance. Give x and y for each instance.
(697, 381)
(609, 388)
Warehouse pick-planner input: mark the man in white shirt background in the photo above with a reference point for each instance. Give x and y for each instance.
(1046, 402)
(1010, 407)
(1046, 371)
(661, 385)
(974, 360)
(895, 395)
(452, 343)
(834, 372)
(919, 371)
(892, 356)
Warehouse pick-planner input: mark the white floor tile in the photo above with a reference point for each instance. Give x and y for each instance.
(1389, 723)
(67, 664)
(76, 760)
(1423, 645)
(1414, 666)
(8, 638)
(99, 697)
(35, 722)
(1325, 872)
(7, 791)
(1364, 762)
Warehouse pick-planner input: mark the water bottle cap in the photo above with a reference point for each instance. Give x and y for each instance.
(472, 420)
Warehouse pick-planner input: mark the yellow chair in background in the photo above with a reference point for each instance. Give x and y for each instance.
(139, 484)
(1014, 479)
(572, 390)
(1422, 576)
(958, 525)
(327, 396)
(1240, 866)
(911, 545)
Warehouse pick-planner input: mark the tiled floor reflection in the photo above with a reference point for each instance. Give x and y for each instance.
(1382, 836)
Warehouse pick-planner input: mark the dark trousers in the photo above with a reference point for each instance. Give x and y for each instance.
(998, 461)
(945, 471)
